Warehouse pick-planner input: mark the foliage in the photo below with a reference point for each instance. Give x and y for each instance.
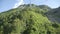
(27, 21)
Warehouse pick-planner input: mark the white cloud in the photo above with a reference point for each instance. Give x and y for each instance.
(19, 2)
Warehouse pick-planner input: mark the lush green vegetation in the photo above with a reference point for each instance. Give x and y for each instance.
(30, 20)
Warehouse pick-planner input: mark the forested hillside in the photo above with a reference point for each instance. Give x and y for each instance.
(28, 19)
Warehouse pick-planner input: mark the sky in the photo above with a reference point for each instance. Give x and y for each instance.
(9, 4)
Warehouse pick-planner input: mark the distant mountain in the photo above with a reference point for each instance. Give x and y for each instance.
(28, 19)
(55, 13)
(45, 7)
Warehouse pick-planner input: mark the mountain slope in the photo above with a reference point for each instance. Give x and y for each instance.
(55, 14)
(27, 21)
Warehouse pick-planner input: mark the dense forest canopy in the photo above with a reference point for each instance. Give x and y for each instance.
(30, 20)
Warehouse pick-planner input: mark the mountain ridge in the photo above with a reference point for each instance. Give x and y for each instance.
(29, 20)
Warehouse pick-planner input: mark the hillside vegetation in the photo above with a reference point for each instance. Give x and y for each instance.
(28, 20)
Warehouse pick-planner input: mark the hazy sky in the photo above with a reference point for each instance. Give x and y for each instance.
(9, 4)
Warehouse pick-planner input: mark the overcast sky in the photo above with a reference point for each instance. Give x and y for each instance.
(9, 4)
